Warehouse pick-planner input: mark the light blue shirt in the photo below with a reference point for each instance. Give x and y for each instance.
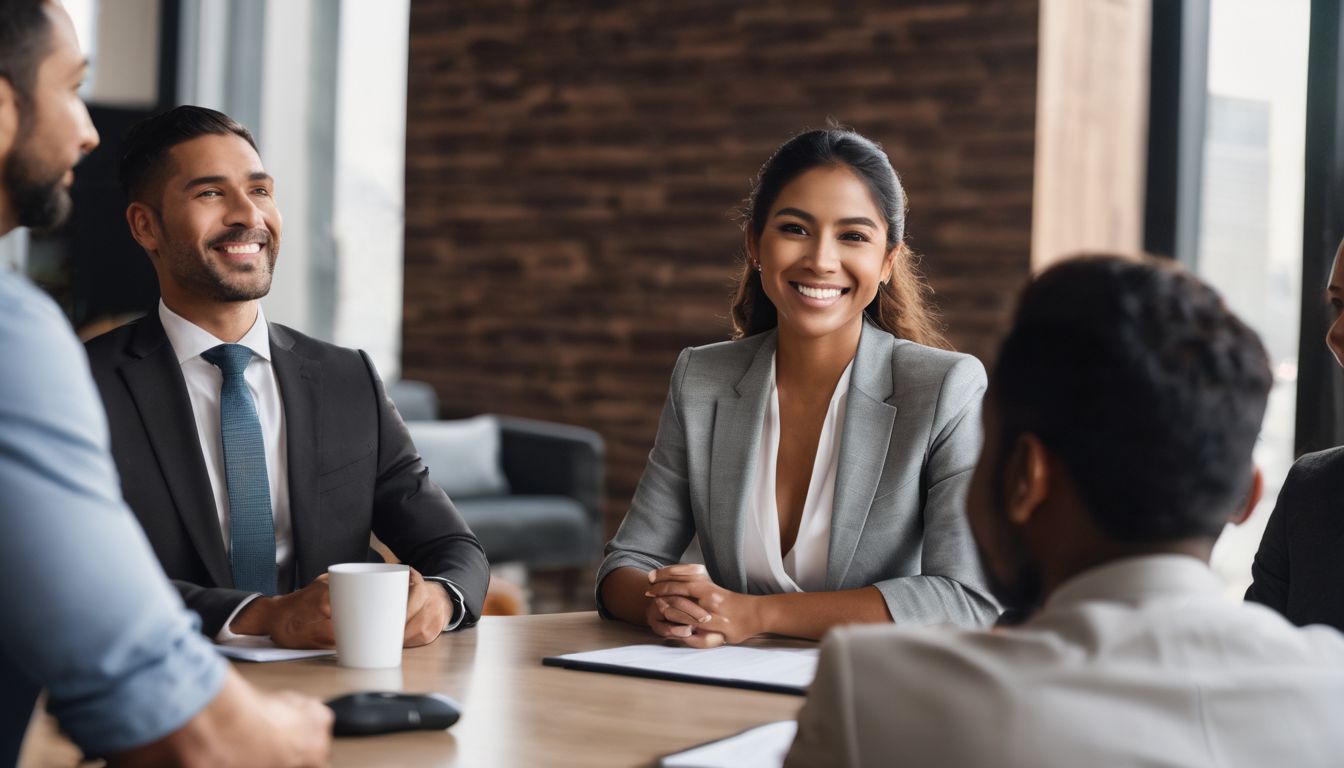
(88, 613)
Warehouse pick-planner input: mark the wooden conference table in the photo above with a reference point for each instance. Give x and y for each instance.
(515, 712)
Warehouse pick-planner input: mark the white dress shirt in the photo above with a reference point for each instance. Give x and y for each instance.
(204, 381)
(803, 569)
(1137, 662)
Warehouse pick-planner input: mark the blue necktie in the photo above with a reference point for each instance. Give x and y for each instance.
(251, 527)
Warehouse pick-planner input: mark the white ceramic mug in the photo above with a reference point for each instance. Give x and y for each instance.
(368, 608)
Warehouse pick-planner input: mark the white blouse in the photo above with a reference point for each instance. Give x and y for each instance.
(769, 571)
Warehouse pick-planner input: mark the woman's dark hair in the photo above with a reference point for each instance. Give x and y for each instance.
(901, 305)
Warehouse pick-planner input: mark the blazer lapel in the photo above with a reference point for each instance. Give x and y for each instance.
(733, 457)
(155, 381)
(863, 449)
(300, 383)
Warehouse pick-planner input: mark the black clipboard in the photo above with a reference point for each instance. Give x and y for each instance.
(678, 677)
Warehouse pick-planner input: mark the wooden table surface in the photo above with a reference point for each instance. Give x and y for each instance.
(516, 712)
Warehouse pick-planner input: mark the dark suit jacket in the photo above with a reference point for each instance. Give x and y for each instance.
(1299, 570)
(352, 469)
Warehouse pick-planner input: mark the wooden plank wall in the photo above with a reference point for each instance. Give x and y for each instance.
(1091, 128)
(573, 165)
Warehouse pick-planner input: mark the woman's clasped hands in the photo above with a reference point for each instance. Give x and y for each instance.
(686, 605)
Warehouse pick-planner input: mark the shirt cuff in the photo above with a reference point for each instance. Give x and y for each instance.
(225, 634)
(455, 597)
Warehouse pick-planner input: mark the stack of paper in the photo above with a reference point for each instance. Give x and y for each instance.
(262, 649)
(762, 747)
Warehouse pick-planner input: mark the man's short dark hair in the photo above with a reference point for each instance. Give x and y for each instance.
(25, 40)
(1144, 385)
(144, 150)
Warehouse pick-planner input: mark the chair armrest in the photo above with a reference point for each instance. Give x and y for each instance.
(545, 458)
(415, 400)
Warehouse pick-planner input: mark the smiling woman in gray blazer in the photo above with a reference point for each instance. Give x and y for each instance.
(822, 457)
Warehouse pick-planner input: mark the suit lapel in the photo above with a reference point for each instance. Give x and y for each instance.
(863, 449)
(154, 379)
(736, 444)
(300, 383)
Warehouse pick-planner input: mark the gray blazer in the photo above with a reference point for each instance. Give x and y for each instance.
(911, 437)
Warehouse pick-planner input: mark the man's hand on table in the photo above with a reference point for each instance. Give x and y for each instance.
(428, 611)
(302, 619)
(244, 726)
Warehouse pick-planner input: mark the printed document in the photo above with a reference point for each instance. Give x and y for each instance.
(761, 747)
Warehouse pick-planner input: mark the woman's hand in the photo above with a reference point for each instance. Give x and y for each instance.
(697, 610)
(678, 617)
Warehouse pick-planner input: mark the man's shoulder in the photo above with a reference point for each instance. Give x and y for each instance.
(35, 336)
(1264, 633)
(1085, 646)
(901, 686)
(927, 658)
(54, 395)
(312, 348)
(114, 344)
(1048, 693)
(28, 317)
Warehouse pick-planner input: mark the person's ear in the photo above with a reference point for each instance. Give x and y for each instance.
(1027, 478)
(752, 248)
(1252, 497)
(144, 227)
(9, 117)
(889, 262)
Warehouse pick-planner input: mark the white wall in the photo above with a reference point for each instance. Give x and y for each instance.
(369, 213)
(283, 140)
(126, 54)
(339, 275)
(14, 250)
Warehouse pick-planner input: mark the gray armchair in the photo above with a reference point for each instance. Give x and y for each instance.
(530, 490)
(552, 515)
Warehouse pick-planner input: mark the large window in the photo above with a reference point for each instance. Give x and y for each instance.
(1249, 221)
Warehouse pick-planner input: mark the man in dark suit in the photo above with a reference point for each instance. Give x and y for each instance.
(254, 456)
(1299, 570)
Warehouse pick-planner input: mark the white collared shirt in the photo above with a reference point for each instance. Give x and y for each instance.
(803, 569)
(1140, 661)
(203, 381)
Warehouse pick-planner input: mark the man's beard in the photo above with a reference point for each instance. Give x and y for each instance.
(194, 270)
(37, 195)
(1024, 594)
